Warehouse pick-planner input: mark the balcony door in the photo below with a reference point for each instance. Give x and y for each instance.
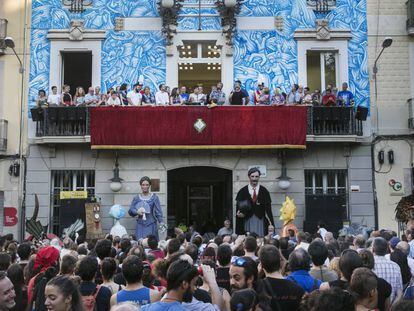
(77, 70)
(199, 65)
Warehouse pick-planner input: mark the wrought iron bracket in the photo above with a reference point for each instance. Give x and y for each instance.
(321, 6)
(228, 18)
(169, 18)
(77, 6)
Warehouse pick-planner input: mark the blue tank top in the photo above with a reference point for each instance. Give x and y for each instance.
(140, 296)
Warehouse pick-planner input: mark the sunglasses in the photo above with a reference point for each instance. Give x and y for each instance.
(239, 262)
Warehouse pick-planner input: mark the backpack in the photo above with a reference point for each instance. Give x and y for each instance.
(89, 302)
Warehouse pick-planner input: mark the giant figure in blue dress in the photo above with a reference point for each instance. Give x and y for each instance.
(146, 208)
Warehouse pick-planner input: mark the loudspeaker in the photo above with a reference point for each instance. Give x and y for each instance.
(362, 113)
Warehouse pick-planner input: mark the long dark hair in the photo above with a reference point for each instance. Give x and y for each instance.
(401, 259)
(15, 274)
(40, 283)
(68, 288)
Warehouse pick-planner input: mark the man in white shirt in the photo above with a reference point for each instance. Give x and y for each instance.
(301, 238)
(197, 96)
(91, 99)
(54, 98)
(134, 96)
(161, 97)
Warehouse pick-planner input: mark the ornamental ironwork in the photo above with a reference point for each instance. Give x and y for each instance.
(321, 6)
(77, 6)
(228, 17)
(169, 16)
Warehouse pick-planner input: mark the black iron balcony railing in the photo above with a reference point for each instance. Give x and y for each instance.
(61, 121)
(75, 121)
(77, 6)
(333, 121)
(410, 17)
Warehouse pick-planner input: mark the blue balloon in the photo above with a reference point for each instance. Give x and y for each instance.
(117, 211)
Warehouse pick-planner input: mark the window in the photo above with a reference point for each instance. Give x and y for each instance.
(322, 69)
(325, 182)
(77, 70)
(70, 180)
(199, 64)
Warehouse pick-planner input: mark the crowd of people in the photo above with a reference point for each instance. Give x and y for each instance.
(139, 95)
(188, 271)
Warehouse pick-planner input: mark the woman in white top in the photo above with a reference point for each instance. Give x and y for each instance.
(113, 100)
(79, 98)
(54, 98)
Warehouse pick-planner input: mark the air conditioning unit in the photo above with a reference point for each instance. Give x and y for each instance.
(3, 135)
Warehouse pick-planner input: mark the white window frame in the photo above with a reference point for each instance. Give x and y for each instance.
(56, 59)
(338, 46)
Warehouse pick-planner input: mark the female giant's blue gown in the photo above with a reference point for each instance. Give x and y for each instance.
(153, 215)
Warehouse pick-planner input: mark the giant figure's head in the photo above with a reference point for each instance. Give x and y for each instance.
(288, 211)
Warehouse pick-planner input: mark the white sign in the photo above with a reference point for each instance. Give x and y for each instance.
(262, 169)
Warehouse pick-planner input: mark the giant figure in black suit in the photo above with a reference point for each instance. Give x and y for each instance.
(253, 206)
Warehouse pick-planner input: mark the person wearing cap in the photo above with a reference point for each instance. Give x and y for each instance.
(253, 205)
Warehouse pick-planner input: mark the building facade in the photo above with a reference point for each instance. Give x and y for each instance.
(391, 103)
(279, 43)
(14, 15)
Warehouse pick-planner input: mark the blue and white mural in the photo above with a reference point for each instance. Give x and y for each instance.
(128, 56)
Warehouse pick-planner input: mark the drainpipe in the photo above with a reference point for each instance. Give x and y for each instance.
(22, 175)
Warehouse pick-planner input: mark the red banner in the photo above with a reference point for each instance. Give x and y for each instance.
(198, 127)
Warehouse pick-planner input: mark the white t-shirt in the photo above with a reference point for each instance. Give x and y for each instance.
(136, 97)
(53, 99)
(322, 232)
(162, 98)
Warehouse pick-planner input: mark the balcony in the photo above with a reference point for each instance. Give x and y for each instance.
(410, 17)
(72, 124)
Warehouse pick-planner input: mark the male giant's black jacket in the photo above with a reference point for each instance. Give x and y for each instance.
(261, 208)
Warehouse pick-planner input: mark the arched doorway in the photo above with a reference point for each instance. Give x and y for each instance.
(199, 195)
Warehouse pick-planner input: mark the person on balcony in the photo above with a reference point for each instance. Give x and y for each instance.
(146, 208)
(258, 93)
(253, 204)
(197, 96)
(293, 96)
(66, 98)
(278, 99)
(41, 101)
(184, 95)
(175, 98)
(79, 98)
(307, 98)
(300, 93)
(147, 98)
(328, 87)
(161, 97)
(316, 98)
(91, 99)
(328, 99)
(345, 97)
(238, 97)
(134, 96)
(246, 97)
(217, 95)
(264, 98)
(54, 98)
(122, 94)
(113, 100)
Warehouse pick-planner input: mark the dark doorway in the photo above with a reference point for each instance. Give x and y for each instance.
(77, 70)
(200, 195)
(325, 199)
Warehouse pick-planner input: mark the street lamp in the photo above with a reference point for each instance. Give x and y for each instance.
(283, 179)
(9, 42)
(385, 44)
(116, 182)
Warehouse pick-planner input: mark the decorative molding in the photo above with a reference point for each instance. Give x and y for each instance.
(228, 18)
(279, 21)
(76, 33)
(76, 30)
(322, 32)
(119, 24)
